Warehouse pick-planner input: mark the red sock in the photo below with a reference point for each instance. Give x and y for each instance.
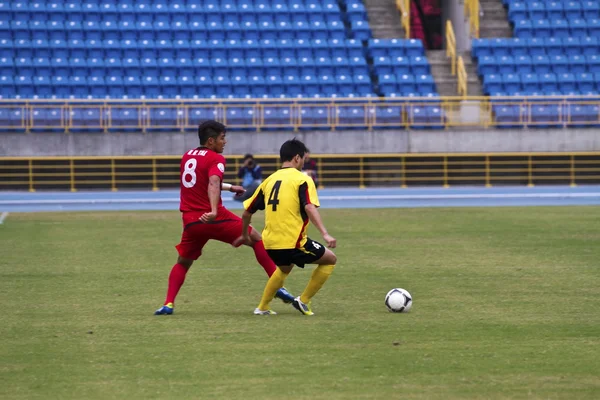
(176, 279)
(263, 258)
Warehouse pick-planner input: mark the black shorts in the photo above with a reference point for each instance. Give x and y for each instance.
(310, 253)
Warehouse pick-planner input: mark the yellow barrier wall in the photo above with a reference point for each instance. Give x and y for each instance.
(396, 170)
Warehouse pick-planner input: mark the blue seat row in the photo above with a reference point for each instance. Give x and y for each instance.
(406, 83)
(122, 72)
(535, 46)
(525, 28)
(21, 27)
(520, 84)
(176, 6)
(129, 118)
(401, 65)
(545, 115)
(162, 90)
(553, 10)
(200, 34)
(541, 64)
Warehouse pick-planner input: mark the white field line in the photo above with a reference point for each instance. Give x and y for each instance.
(339, 198)
(3, 217)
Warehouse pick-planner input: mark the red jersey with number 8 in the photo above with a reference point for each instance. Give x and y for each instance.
(197, 166)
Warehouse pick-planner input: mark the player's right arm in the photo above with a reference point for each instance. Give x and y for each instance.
(309, 199)
(315, 218)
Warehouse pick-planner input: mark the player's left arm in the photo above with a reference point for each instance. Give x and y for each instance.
(310, 201)
(232, 188)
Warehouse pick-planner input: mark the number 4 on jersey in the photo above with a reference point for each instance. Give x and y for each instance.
(274, 196)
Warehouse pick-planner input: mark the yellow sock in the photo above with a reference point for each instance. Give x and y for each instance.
(274, 283)
(317, 280)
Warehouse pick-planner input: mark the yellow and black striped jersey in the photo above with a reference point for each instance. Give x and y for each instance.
(283, 196)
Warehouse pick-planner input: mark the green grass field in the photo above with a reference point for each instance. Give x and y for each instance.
(506, 306)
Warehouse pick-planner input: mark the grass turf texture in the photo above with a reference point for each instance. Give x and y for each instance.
(505, 306)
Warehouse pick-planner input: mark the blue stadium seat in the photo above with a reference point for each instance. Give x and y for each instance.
(593, 63)
(517, 11)
(559, 28)
(578, 64)
(583, 114)
(572, 10)
(511, 83)
(523, 29)
(545, 116)
(43, 86)
(419, 65)
(559, 64)
(536, 10)
(586, 83)
(578, 27)
(509, 116)
(12, 119)
(554, 10)
(536, 46)
(523, 64)
(530, 82)
(47, 119)
(505, 64)
(567, 83)
(492, 83)
(541, 64)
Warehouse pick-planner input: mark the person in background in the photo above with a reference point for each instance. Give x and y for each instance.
(310, 169)
(251, 174)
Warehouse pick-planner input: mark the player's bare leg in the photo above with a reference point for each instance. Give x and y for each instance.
(176, 279)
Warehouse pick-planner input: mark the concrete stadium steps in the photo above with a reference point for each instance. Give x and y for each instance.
(384, 19)
(446, 83)
(493, 20)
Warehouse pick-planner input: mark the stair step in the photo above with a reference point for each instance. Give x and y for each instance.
(492, 7)
(384, 19)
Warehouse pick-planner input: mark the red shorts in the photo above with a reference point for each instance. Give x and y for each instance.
(227, 227)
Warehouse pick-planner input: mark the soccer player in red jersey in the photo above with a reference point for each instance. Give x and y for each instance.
(204, 216)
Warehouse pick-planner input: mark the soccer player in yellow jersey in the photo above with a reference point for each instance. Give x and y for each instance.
(290, 200)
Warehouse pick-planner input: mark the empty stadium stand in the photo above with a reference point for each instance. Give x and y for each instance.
(176, 49)
(555, 51)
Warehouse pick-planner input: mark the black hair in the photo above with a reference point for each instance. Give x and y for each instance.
(247, 156)
(291, 149)
(209, 129)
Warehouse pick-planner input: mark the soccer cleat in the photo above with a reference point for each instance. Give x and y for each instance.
(258, 311)
(167, 309)
(284, 296)
(303, 308)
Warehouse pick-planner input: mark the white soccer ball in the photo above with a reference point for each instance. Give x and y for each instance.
(398, 300)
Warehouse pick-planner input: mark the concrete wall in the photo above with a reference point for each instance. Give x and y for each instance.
(454, 11)
(320, 142)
